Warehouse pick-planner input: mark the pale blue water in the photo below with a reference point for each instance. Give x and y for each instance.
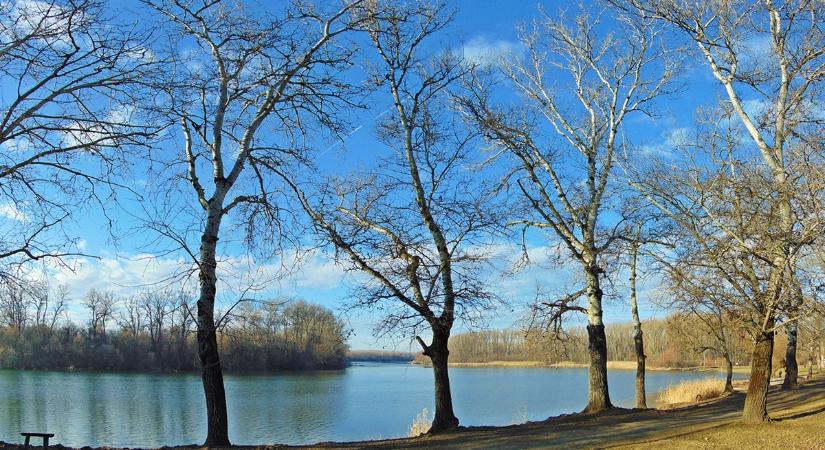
(365, 401)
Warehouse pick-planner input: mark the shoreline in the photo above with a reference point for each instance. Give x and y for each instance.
(614, 365)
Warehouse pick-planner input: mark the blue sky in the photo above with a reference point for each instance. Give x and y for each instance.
(482, 29)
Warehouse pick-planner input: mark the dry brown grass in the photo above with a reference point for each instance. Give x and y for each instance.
(803, 433)
(623, 365)
(691, 391)
(421, 424)
(501, 364)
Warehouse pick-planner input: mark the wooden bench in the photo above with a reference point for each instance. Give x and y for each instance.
(45, 437)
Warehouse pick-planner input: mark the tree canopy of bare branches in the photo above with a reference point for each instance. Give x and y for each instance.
(578, 85)
(243, 91)
(417, 223)
(69, 80)
(781, 78)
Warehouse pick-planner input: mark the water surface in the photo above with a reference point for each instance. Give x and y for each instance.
(364, 401)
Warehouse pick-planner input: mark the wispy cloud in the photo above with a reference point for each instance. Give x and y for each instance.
(13, 212)
(483, 51)
(126, 275)
(670, 140)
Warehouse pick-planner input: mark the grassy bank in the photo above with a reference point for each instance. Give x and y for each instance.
(803, 432)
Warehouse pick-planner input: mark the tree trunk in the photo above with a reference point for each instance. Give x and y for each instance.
(641, 400)
(438, 352)
(791, 380)
(756, 401)
(212, 378)
(211, 372)
(728, 373)
(598, 397)
(811, 363)
(638, 336)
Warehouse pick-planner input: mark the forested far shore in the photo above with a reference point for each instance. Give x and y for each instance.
(380, 356)
(678, 341)
(155, 331)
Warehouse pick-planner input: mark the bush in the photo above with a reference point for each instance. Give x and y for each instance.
(421, 424)
(691, 391)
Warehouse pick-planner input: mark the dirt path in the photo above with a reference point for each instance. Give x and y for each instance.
(620, 427)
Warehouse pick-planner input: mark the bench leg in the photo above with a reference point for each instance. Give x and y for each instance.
(26, 445)
(45, 442)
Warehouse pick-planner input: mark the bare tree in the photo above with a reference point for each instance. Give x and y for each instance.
(635, 242)
(415, 223)
(157, 307)
(713, 327)
(180, 326)
(15, 307)
(811, 335)
(578, 86)
(725, 209)
(783, 77)
(791, 378)
(101, 306)
(243, 99)
(69, 78)
(59, 305)
(39, 291)
(131, 317)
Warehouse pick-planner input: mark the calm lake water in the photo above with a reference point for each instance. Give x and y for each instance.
(365, 401)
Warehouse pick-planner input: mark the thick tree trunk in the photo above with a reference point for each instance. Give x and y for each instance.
(728, 374)
(212, 378)
(791, 380)
(211, 371)
(756, 401)
(598, 397)
(438, 352)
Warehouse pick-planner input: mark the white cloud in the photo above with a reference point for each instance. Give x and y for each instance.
(124, 276)
(758, 47)
(670, 140)
(24, 16)
(756, 107)
(18, 145)
(86, 133)
(482, 51)
(141, 54)
(317, 273)
(12, 212)
(127, 275)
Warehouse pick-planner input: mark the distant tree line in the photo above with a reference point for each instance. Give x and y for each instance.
(154, 331)
(675, 342)
(381, 356)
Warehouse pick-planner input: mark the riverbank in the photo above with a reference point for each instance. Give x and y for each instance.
(798, 417)
(685, 427)
(615, 365)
